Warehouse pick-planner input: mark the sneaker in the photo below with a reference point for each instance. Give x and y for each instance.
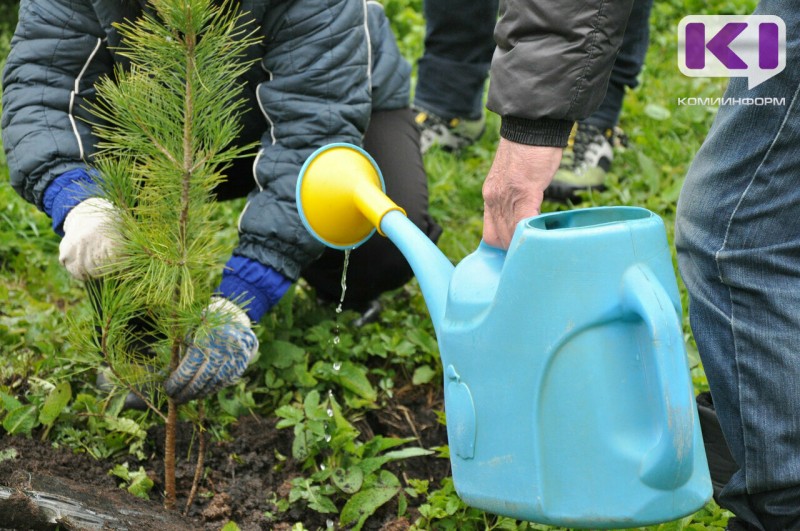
(367, 311)
(449, 135)
(369, 314)
(586, 160)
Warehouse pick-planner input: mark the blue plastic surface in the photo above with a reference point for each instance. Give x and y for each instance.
(567, 388)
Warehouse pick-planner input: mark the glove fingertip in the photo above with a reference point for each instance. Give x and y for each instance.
(171, 387)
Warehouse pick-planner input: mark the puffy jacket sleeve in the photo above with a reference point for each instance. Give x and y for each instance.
(552, 64)
(318, 91)
(57, 54)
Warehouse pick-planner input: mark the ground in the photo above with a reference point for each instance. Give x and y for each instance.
(243, 475)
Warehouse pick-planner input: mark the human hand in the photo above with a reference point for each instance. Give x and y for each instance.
(90, 238)
(217, 360)
(514, 188)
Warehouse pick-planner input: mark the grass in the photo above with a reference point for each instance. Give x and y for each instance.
(38, 295)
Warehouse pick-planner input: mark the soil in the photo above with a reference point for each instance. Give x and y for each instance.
(242, 476)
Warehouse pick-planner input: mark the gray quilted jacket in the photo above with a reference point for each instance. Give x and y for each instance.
(323, 66)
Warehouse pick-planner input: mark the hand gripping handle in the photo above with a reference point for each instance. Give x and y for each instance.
(669, 463)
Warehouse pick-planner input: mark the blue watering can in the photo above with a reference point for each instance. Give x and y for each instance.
(567, 389)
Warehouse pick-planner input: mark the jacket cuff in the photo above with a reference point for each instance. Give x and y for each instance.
(540, 132)
(64, 193)
(252, 285)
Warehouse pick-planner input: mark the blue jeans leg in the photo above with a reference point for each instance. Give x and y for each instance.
(459, 44)
(738, 241)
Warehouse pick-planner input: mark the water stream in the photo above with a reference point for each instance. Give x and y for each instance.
(337, 365)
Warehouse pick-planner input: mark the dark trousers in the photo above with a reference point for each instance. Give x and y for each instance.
(459, 44)
(627, 66)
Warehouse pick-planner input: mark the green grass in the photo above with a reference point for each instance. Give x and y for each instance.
(38, 295)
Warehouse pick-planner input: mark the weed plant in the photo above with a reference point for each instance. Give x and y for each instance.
(303, 373)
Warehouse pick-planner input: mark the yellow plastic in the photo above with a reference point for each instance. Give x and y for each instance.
(341, 196)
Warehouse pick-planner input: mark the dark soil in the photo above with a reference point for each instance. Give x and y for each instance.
(243, 477)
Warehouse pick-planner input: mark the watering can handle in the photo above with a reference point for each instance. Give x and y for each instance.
(669, 463)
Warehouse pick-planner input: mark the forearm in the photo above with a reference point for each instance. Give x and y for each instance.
(57, 53)
(253, 286)
(65, 192)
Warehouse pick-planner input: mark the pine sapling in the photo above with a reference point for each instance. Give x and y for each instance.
(168, 124)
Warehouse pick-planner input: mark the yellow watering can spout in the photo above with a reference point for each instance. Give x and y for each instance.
(340, 192)
(341, 200)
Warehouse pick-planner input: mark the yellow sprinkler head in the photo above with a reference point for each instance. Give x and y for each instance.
(341, 196)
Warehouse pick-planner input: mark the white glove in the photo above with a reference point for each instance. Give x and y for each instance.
(229, 309)
(90, 238)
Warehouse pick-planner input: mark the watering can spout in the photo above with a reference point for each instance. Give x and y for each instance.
(431, 267)
(341, 200)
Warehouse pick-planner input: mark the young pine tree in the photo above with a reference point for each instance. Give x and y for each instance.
(168, 120)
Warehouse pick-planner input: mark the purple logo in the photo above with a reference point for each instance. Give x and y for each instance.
(751, 46)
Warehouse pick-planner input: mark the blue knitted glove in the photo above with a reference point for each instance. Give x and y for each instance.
(216, 361)
(67, 191)
(259, 287)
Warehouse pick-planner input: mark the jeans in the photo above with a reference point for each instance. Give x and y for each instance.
(459, 44)
(738, 242)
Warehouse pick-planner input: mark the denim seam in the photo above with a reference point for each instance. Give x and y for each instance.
(755, 173)
(717, 261)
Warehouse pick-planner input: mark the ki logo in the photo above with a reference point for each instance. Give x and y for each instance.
(751, 46)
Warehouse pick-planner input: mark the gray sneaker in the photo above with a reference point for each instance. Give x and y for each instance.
(449, 135)
(586, 160)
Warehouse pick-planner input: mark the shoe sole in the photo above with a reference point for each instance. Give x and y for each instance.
(562, 192)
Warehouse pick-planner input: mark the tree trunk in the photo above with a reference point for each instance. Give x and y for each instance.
(170, 500)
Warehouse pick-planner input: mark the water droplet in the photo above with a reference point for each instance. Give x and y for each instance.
(322, 467)
(337, 366)
(344, 279)
(330, 412)
(329, 524)
(328, 437)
